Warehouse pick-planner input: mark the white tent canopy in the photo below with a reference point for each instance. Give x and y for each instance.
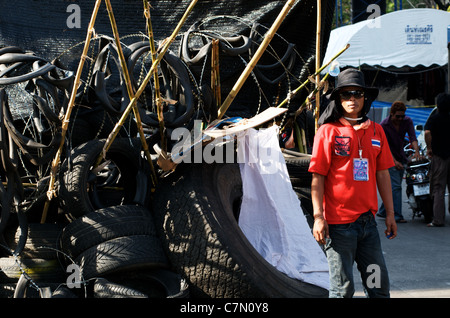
(402, 38)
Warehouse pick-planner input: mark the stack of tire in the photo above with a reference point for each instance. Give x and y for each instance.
(33, 264)
(109, 253)
(117, 254)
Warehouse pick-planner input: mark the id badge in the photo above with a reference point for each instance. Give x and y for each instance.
(360, 169)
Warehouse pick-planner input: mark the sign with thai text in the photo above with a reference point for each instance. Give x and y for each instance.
(416, 34)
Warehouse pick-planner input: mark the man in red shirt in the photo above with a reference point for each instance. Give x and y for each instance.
(350, 158)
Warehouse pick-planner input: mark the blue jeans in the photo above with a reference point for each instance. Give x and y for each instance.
(356, 242)
(396, 184)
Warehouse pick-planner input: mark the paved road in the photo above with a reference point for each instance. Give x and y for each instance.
(418, 259)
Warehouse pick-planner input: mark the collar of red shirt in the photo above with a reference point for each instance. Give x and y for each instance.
(363, 125)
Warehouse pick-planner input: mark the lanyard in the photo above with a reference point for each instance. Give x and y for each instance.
(360, 149)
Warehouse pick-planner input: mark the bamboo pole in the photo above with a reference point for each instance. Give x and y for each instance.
(65, 123)
(159, 106)
(318, 32)
(167, 43)
(215, 75)
(127, 79)
(254, 60)
(315, 91)
(294, 92)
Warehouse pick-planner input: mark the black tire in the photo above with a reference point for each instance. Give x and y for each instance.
(80, 131)
(25, 288)
(301, 182)
(124, 180)
(39, 270)
(103, 225)
(122, 254)
(298, 170)
(62, 291)
(426, 207)
(102, 123)
(42, 240)
(155, 283)
(103, 288)
(196, 209)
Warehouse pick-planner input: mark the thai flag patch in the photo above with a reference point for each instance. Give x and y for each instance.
(376, 143)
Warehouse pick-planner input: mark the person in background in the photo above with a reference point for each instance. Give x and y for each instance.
(350, 158)
(437, 139)
(396, 126)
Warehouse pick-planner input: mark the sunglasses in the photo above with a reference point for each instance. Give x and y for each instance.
(346, 95)
(399, 116)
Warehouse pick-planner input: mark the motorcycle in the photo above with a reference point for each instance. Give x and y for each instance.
(418, 185)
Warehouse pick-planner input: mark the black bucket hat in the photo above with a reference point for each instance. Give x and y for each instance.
(353, 77)
(348, 77)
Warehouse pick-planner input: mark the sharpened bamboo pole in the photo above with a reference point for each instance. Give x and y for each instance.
(127, 79)
(65, 123)
(305, 102)
(254, 60)
(167, 43)
(215, 72)
(159, 106)
(294, 92)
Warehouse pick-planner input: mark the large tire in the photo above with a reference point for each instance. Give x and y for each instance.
(103, 225)
(39, 270)
(301, 180)
(41, 240)
(426, 208)
(81, 191)
(155, 283)
(196, 209)
(103, 288)
(298, 170)
(122, 254)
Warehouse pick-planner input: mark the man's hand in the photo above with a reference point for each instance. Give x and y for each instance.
(391, 227)
(320, 230)
(417, 155)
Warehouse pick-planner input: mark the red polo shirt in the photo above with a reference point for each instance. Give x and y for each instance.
(335, 146)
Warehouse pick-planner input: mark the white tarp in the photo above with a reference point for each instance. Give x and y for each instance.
(409, 37)
(271, 216)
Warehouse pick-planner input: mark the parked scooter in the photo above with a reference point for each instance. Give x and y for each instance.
(418, 183)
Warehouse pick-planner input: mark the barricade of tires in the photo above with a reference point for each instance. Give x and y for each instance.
(99, 221)
(109, 233)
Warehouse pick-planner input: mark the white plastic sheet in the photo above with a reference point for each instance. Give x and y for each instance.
(271, 216)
